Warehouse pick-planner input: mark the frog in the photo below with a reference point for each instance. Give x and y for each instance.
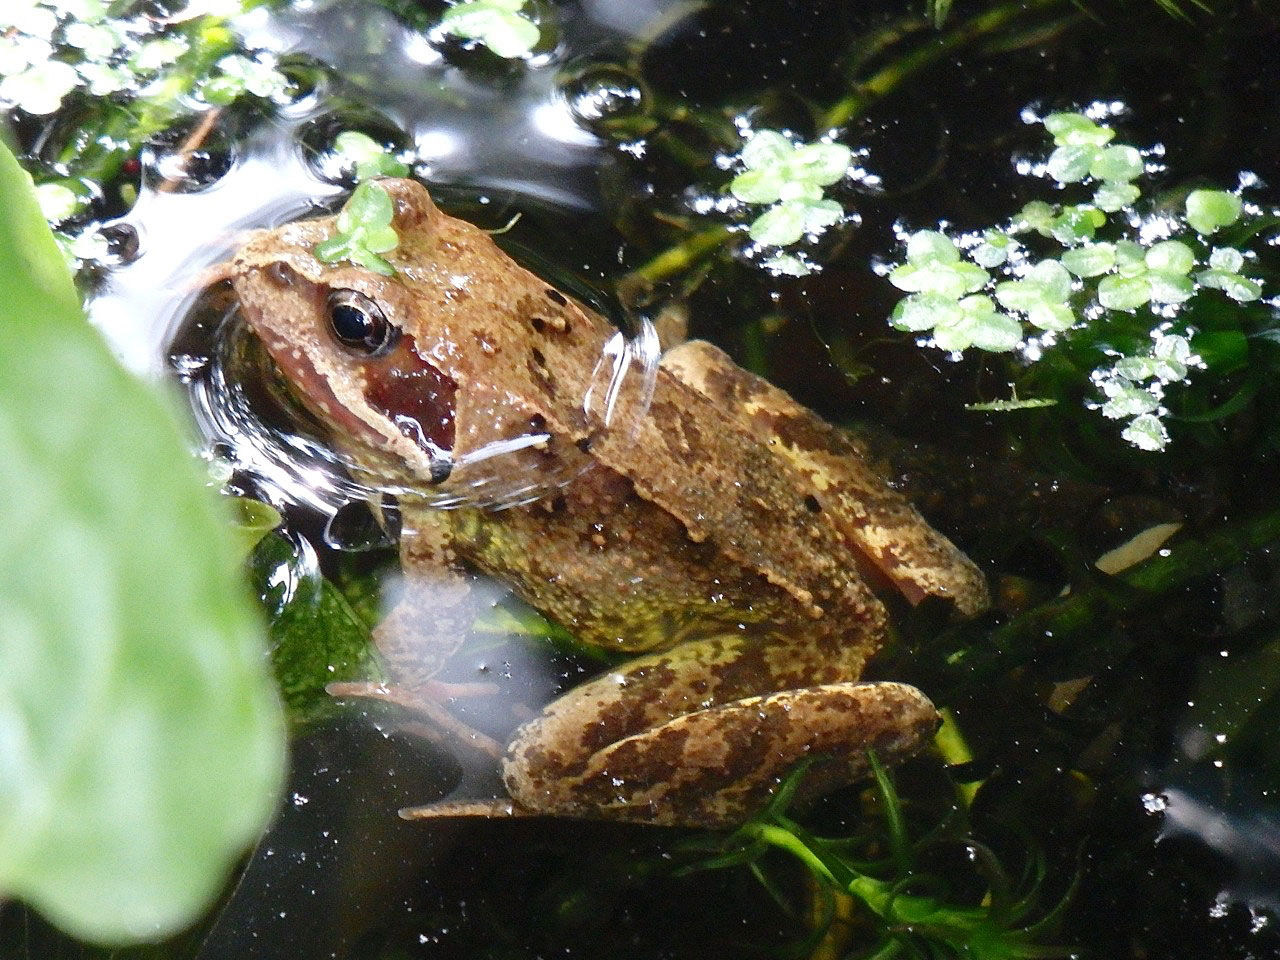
(733, 547)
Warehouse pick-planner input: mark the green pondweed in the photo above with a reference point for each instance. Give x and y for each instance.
(501, 25)
(790, 177)
(900, 917)
(1058, 269)
(364, 231)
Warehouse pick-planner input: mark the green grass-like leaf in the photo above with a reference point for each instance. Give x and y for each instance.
(141, 741)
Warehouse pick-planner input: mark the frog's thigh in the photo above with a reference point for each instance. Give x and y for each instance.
(889, 532)
(715, 767)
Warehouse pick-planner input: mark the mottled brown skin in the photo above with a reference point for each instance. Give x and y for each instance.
(728, 535)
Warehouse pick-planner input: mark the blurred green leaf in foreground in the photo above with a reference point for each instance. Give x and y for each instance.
(141, 740)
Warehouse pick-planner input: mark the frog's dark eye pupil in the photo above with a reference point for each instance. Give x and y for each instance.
(359, 324)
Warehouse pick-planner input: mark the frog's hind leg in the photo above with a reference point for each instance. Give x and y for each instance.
(715, 767)
(891, 535)
(686, 736)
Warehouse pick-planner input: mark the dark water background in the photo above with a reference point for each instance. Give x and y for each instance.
(1178, 847)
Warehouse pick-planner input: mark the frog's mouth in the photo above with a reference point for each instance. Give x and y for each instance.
(313, 390)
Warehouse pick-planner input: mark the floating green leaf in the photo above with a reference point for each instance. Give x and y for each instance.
(785, 223)
(1038, 216)
(1076, 224)
(924, 311)
(1146, 432)
(787, 265)
(1091, 260)
(141, 741)
(1170, 256)
(993, 250)
(1124, 293)
(369, 157)
(497, 24)
(238, 75)
(1042, 295)
(363, 230)
(958, 325)
(1170, 356)
(1075, 129)
(1238, 288)
(1113, 197)
(934, 266)
(1225, 264)
(1210, 210)
(1118, 164)
(40, 88)
(1070, 164)
(1127, 400)
(791, 177)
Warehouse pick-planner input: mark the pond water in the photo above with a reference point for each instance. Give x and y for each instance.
(1117, 720)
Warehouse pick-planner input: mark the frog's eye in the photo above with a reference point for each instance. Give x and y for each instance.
(359, 324)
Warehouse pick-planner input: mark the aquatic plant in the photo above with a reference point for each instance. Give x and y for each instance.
(366, 157)
(499, 25)
(364, 231)
(1113, 259)
(156, 71)
(791, 178)
(878, 869)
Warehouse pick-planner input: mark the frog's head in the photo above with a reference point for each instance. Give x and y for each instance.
(458, 351)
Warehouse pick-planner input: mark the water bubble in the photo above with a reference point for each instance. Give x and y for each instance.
(354, 529)
(124, 243)
(190, 156)
(309, 84)
(603, 94)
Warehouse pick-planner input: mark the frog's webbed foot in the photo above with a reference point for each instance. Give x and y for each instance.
(499, 808)
(433, 608)
(715, 767)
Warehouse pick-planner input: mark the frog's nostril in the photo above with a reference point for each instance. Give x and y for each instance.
(281, 274)
(440, 469)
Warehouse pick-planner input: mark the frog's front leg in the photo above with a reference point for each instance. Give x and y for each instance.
(428, 621)
(675, 738)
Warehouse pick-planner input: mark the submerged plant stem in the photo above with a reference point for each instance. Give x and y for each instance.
(884, 82)
(698, 245)
(1060, 625)
(681, 257)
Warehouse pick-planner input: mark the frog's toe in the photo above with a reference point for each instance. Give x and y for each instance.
(440, 725)
(715, 767)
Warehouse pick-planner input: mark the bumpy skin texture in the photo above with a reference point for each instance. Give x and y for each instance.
(728, 534)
